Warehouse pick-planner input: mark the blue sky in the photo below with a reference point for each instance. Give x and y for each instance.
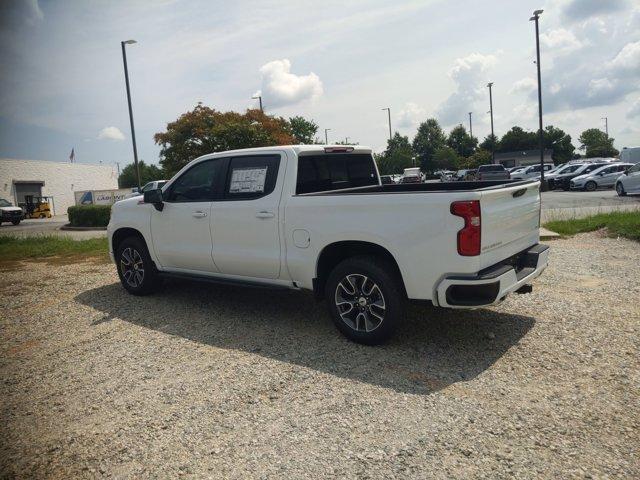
(339, 63)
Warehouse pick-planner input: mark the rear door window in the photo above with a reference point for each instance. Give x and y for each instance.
(322, 173)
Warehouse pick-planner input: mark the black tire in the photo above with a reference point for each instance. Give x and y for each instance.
(132, 256)
(371, 323)
(15, 222)
(620, 190)
(591, 186)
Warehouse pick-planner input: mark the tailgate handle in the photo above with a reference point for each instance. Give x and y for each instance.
(519, 193)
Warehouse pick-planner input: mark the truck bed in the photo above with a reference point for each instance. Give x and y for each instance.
(479, 185)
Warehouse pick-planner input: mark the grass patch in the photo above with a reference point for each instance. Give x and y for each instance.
(618, 224)
(22, 248)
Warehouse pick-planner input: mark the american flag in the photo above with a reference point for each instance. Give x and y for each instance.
(72, 155)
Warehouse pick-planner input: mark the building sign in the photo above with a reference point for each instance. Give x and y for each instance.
(100, 197)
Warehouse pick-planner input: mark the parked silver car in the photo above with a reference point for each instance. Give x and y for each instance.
(532, 171)
(629, 182)
(492, 172)
(603, 177)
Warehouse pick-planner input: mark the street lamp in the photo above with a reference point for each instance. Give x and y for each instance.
(470, 126)
(133, 132)
(493, 137)
(259, 98)
(389, 112)
(536, 16)
(606, 125)
(326, 138)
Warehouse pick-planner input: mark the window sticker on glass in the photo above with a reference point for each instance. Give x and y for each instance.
(248, 180)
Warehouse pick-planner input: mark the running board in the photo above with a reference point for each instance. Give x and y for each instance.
(224, 281)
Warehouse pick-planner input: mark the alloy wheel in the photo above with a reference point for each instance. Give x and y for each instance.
(360, 303)
(132, 267)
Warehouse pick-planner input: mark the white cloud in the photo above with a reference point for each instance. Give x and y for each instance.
(628, 59)
(110, 133)
(560, 40)
(469, 76)
(280, 87)
(410, 115)
(524, 85)
(634, 109)
(600, 86)
(576, 10)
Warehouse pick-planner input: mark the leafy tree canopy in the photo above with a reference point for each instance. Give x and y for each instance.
(303, 130)
(596, 143)
(428, 139)
(397, 156)
(479, 157)
(517, 139)
(489, 142)
(560, 142)
(446, 158)
(461, 141)
(148, 173)
(205, 130)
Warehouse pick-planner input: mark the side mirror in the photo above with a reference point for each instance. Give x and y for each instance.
(155, 197)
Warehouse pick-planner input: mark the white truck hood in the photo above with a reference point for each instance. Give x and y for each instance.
(10, 209)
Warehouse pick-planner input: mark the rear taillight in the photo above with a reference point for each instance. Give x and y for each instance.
(469, 236)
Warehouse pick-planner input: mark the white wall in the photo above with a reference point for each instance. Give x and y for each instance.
(60, 179)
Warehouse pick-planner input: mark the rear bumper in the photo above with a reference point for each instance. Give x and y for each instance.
(491, 285)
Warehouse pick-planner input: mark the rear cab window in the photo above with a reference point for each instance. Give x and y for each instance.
(335, 171)
(491, 168)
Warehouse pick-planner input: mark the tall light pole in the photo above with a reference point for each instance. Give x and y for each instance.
(133, 131)
(606, 125)
(470, 126)
(493, 137)
(259, 97)
(536, 16)
(326, 137)
(346, 140)
(389, 112)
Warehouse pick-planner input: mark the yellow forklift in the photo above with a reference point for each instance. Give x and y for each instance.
(37, 207)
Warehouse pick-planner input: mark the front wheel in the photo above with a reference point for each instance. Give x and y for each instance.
(620, 190)
(15, 222)
(136, 270)
(590, 186)
(365, 298)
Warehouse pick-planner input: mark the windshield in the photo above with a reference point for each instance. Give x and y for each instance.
(4, 203)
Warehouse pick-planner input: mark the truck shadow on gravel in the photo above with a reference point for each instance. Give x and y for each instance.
(433, 349)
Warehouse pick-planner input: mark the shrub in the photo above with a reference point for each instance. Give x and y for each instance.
(89, 215)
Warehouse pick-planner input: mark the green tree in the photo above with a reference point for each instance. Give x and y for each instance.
(489, 142)
(560, 142)
(446, 158)
(148, 173)
(461, 141)
(205, 130)
(479, 157)
(397, 156)
(596, 143)
(517, 139)
(303, 130)
(428, 139)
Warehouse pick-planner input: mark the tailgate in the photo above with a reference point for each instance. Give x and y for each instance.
(510, 221)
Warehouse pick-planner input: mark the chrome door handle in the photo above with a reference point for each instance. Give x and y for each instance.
(265, 215)
(199, 214)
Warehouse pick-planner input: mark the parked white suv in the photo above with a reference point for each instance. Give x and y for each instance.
(318, 218)
(629, 182)
(532, 171)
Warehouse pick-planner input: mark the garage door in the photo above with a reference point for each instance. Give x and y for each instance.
(24, 189)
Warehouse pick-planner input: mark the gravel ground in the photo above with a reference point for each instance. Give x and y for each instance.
(221, 382)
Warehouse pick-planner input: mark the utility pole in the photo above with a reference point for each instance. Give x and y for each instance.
(493, 137)
(389, 112)
(133, 131)
(606, 125)
(326, 137)
(259, 97)
(470, 126)
(536, 16)
(346, 140)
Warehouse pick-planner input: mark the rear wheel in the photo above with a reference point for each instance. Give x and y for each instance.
(365, 298)
(620, 189)
(590, 186)
(136, 270)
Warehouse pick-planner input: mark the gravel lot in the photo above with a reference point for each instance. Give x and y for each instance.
(221, 382)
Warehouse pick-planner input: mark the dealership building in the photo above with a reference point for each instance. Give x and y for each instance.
(523, 158)
(58, 180)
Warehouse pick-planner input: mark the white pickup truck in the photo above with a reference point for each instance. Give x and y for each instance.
(317, 217)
